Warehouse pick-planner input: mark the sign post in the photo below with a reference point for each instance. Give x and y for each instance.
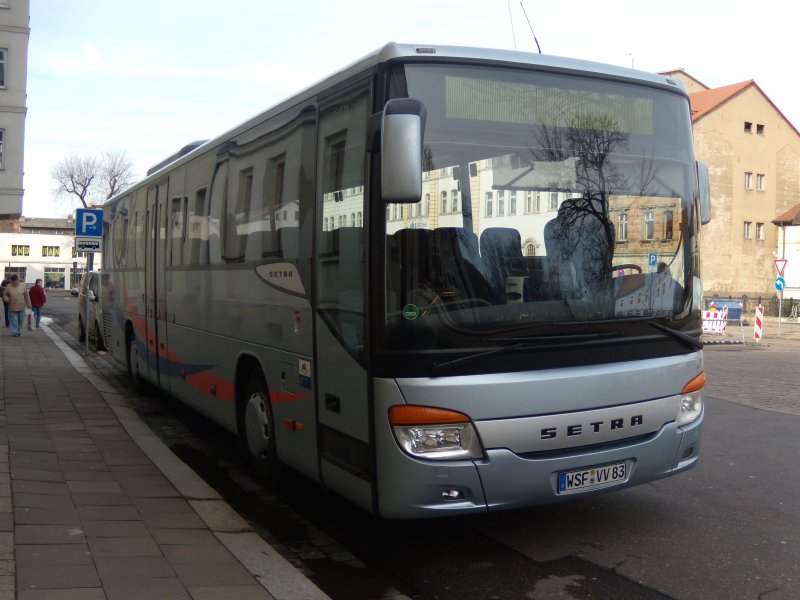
(88, 239)
(780, 283)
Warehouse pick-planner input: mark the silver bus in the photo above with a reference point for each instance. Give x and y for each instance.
(441, 281)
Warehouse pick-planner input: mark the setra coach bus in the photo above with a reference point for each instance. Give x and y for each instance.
(441, 281)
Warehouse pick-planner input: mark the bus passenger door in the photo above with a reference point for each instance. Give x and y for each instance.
(162, 223)
(154, 277)
(343, 400)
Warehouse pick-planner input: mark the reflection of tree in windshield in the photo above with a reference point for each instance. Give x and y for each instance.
(580, 240)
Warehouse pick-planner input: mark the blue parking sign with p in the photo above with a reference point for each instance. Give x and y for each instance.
(89, 222)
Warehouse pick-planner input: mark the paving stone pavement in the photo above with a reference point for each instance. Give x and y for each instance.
(93, 506)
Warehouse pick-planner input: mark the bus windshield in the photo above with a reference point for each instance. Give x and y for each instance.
(547, 200)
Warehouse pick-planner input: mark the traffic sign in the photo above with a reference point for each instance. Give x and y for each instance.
(652, 259)
(87, 244)
(89, 223)
(780, 264)
(780, 283)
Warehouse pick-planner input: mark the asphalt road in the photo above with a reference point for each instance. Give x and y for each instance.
(729, 528)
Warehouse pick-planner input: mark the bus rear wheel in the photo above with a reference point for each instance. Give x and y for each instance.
(257, 429)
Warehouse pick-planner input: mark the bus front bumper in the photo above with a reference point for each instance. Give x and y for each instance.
(413, 488)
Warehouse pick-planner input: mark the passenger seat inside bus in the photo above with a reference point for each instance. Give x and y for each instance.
(501, 253)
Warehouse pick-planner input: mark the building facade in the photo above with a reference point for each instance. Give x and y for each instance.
(14, 34)
(42, 249)
(753, 155)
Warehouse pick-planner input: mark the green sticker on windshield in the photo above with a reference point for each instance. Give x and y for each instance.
(410, 311)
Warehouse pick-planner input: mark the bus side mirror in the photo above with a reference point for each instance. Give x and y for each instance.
(704, 191)
(402, 127)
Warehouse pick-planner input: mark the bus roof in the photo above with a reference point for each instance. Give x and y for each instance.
(393, 51)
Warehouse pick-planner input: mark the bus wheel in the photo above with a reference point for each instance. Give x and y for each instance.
(257, 431)
(133, 364)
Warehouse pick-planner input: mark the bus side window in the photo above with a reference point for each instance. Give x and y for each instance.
(340, 277)
(196, 247)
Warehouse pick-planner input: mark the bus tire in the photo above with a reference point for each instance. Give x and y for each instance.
(133, 364)
(257, 428)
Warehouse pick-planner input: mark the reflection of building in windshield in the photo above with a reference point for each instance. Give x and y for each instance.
(509, 192)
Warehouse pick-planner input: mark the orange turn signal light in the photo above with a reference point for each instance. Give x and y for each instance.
(698, 383)
(405, 414)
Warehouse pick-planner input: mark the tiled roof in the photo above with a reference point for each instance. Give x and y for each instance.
(790, 217)
(706, 101)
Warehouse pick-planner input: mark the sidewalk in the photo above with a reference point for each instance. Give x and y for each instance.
(94, 506)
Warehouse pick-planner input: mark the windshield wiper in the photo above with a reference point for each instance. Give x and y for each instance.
(690, 341)
(537, 341)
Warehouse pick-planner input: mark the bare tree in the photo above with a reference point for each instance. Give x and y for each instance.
(90, 179)
(115, 173)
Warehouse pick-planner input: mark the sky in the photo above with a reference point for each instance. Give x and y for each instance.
(149, 76)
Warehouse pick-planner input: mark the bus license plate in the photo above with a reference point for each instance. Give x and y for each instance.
(581, 479)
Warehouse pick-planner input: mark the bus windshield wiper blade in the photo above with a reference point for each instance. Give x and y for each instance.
(544, 341)
(683, 337)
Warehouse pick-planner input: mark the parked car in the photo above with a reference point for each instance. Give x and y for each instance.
(89, 289)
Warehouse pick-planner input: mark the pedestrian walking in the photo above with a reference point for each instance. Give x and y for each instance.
(38, 298)
(16, 294)
(5, 304)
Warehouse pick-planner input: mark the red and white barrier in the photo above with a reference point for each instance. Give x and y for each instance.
(715, 320)
(759, 323)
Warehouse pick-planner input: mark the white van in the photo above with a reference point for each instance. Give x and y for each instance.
(90, 288)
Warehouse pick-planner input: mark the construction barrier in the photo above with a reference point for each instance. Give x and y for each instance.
(715, 320)
(759, 323)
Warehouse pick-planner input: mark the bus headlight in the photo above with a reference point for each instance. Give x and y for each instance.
(434, 433)
(691, 406)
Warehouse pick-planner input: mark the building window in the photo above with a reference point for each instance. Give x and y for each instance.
(668, 224)
(3, 56)
(748, 230)
(443, 207)
(761, 182)
(748, 180)
(760, 231)
(622, 227)
(51, 251)
(553, 200)
(20, 250)
(760, 129)
(488, 204)
(454, 201)
(501, 203)
(54, 277)
(427, 207)
(649, 223)
(2, 149)
(748, 127)
(512, 210)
